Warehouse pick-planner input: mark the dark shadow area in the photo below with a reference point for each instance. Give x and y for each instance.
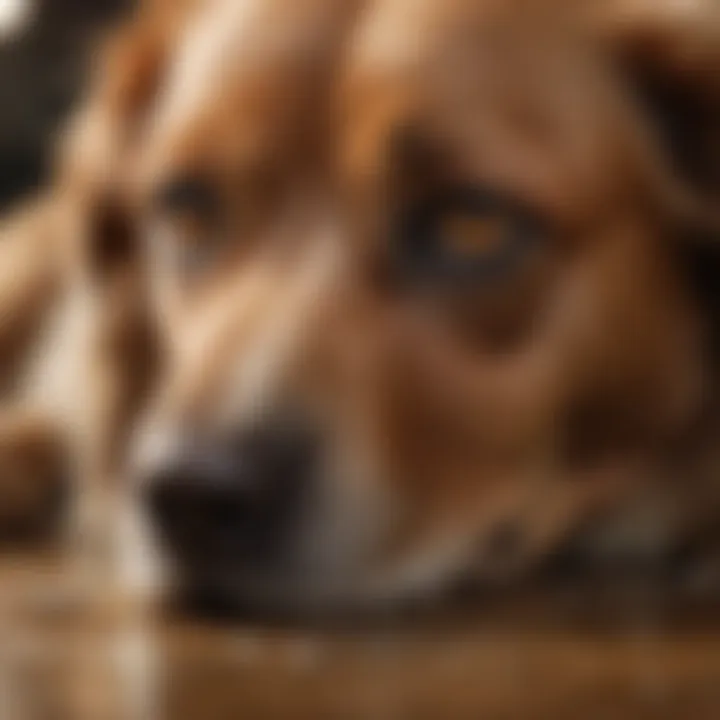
(42, 72)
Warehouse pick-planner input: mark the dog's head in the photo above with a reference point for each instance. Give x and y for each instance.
(423, 277)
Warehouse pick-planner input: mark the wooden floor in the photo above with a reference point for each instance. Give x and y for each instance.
(605, 650)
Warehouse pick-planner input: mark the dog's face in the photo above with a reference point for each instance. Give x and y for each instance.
(418, 288)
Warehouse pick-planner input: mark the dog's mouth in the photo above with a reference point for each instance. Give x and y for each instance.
(277, 559)
(328, 569)
(233, 594)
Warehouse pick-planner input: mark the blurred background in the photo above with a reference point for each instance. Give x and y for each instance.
(44, 47)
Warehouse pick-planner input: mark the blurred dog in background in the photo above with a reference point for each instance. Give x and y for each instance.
(370, 298)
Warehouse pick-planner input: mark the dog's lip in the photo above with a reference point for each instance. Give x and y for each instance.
(240, 590)
(343, 606)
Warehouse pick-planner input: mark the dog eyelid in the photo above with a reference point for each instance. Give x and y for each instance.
(467, 234)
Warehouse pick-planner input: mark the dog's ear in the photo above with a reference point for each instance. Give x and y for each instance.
(669, 52)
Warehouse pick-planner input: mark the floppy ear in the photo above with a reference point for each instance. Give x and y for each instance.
(669, 51)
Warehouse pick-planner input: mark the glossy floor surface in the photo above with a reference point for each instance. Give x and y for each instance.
(606, 650)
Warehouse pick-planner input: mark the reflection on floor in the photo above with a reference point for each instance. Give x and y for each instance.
(610, 650)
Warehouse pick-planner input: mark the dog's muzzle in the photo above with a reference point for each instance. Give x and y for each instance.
(234, 502)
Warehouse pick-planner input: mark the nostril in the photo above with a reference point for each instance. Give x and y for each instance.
(161, 498)
(169, 503)
(197, 517)
(242, 499)
(180, 498)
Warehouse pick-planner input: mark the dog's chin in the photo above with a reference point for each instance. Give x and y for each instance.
(307, 592)
(241, 594)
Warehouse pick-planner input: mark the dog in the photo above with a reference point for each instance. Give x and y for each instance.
(379, 297)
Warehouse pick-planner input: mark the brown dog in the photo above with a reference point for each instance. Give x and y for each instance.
(431, 283)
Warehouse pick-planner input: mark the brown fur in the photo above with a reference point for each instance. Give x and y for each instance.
(579, 391)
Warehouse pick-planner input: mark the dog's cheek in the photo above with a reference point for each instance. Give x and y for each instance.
(449, 453)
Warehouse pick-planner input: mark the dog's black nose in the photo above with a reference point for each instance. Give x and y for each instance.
(240, 498)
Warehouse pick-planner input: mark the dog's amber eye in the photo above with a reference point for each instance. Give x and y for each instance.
(465, 235)
(471, 234)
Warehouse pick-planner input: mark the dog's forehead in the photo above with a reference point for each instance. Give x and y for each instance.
(246, 60)
(395, 32)
(500, 76)
(400, 33)
(455, 43)
(516, 92)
